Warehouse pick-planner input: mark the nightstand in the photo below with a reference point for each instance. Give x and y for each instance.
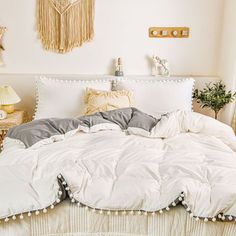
(14, 119)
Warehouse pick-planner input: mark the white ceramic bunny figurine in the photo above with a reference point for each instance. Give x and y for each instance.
(160, 67)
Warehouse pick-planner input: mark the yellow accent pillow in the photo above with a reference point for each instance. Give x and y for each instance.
(100, 101)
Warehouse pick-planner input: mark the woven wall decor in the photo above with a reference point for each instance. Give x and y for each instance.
(65, 24)
(2, 31)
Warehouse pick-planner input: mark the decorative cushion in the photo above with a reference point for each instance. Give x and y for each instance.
(100, 101)
(64, 98)
(158, 96)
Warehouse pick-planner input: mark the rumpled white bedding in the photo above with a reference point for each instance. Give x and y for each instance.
(110, 170)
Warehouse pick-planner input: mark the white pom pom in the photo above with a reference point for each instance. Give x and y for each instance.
(180, 198)
(64, 182)
(6, 219)
(44, 210)
(191, 215)
(14, 217)
(139, 213)
(145, 213)
(52, 206)
(73, 200)
(59, 176)
(230, 218)
(153, 213)
(205, 220)
(21, 217)
(37, 213)
(86, 208)
(223, 218)
(219, 216)
(58, 200)
(214, 219)
(161, 211)
(182, 194)
(131, 212)
(183, 203)
(101, 212)
(71, 195)
(60, 193)
(67, 188)
(29, 214)
(94, 210)
(197, 219)
(124, 213)
(173, 204)
(108, 213)
(116, 213)
(167, 208)
(188, 209)
(78, 204)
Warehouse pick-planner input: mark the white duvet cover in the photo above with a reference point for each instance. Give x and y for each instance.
(187, 157)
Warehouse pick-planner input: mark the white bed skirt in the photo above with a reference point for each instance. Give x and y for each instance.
(70, 220)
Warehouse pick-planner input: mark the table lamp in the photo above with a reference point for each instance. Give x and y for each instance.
(8, 98)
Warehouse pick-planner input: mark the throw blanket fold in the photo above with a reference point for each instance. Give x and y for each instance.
(130, 119)
(179, 157)
(38, 130)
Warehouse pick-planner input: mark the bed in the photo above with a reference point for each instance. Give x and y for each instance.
(119, 172)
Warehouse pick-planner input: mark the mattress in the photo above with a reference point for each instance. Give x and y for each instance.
(70, 220)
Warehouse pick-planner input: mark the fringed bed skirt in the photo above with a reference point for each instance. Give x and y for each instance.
(70, 220)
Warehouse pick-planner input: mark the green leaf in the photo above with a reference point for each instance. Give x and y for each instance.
(214, 96)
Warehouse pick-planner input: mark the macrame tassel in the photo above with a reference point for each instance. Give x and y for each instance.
(2, 31)
(234, 122)
(65, 24)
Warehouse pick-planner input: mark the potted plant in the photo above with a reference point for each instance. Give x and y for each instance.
(214, 96)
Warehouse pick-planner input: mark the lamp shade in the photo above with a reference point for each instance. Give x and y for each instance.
(8, 96)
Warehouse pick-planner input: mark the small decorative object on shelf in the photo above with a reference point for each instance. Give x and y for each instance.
(119, 67)
(2, 31)
(3, 115)
(160, 67)
(214, 97)
(8, 98)
(13, 119)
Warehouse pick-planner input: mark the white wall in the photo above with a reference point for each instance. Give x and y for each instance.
(227, 63)
(121, 29)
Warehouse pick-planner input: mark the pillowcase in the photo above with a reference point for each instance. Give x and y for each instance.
(100, 101)
(156, 97)
(64, 98)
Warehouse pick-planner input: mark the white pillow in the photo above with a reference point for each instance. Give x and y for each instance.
(158, 96)
(64, 98)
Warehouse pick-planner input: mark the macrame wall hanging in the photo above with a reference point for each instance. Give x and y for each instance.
(2, 31)
(65, 24)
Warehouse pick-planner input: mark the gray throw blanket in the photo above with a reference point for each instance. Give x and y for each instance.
(37, 130)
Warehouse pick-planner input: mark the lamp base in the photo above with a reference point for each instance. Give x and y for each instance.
(8, 108)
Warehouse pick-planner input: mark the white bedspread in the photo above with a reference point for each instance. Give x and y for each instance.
(111, 170)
